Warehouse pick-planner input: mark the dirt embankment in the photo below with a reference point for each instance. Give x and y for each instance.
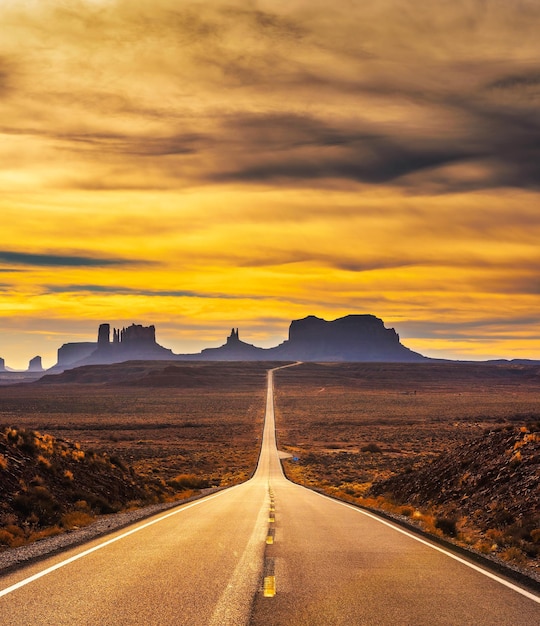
(49, 485)
(485, 492)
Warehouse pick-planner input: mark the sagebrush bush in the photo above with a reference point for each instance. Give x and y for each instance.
(76, 519)
(448, 525)
(188, 481)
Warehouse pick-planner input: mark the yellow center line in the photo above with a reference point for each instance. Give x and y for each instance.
(269, 589)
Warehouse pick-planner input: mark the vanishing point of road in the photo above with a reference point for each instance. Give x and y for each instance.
(266, 552)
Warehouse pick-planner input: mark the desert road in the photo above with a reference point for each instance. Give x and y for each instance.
(265, 552)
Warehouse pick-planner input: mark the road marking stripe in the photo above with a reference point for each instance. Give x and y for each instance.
(269, 587)
(477, 568)
(269, 540)
(49, 570)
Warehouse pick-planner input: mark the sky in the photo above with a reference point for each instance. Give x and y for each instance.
(202, 165)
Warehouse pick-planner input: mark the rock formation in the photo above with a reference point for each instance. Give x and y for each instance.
(234, 350)
(136, 342)
(35, 365)
(2, 365)
(350, 338)
(71, 353)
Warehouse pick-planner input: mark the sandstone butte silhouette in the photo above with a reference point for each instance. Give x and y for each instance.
(350, 338)
(35, 365)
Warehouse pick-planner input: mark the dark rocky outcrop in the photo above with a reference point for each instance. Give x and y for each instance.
(35, 365)
(136, 342)
(235, 350)
(492, 479)
(350, 338)
(2, 365)
(71, 353)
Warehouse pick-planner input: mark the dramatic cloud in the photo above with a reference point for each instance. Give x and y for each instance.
(57, 260)
(147, 293)
(379, 156)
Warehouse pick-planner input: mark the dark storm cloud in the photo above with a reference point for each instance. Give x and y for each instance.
(298, 147)
(521, 81)
(508, 137)
(3, 81)
(126, 291)
(7, 74)
(59, 260)
(180, 81)
(492, 327)
(140, 146)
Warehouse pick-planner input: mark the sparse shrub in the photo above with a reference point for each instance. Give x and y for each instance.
(3, 462)
(44, 462)
(38, 506)
(372, 447)
(51, 531)
(188, 481)
(447, 525)
(428, 522)
(517, 458)
(531, 549)
(514, 555)
(496, 535)
(76, 519)
(6, 538)
(16, 531)
(406, 510)
(535, 535)
(26, 442)
(12, 536)
(485, 547)
(116, 460)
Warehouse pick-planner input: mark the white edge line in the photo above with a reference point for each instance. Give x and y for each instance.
(395, 527)
(180, 509)
(477, 568)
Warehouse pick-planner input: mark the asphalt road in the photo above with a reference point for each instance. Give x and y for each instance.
(264, 552)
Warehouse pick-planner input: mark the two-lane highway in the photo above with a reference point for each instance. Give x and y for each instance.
(264, 552)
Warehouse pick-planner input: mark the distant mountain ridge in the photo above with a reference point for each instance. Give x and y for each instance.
(349, 338)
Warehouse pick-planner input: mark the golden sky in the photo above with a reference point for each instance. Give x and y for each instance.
(201, 165)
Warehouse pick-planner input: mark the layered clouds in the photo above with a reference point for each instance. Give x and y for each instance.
(200, 165)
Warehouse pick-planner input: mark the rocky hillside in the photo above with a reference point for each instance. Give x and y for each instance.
(485, 492)
(48, 485)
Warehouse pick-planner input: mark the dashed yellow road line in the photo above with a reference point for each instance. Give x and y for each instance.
(269, 540)
(269, 587)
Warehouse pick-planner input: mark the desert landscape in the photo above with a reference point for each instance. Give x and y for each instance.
(432, 443)
(412, 440)
(157, 430)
